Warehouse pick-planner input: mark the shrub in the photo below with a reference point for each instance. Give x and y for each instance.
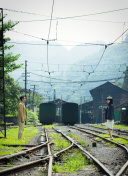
(32, 118)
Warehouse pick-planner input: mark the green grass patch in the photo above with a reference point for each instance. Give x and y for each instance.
(117, 140)
(99, 126)
(77, 138)
(120, 126)
(107, 143)
(73, 161)
(60, 142)
(12, 138)
(48, 126)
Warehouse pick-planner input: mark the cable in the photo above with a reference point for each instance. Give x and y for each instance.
(29, 13)
(81, 82)
(48, 39)
(28, 35)
(100, 58)
(120, 36)
(50, 20)
(78, 16)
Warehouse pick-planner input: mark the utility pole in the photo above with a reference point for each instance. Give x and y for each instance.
(2, 77)
(102, 107)
(54, 95)
(29, 98)
(25, 78)
(33, 93)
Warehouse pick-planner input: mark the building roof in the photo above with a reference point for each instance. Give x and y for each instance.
(121, 104)
(105, 85)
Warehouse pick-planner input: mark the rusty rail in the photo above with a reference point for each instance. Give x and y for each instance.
(87, 154)
(125, 166)
(108, 140)
(102, 132)
(50, 157)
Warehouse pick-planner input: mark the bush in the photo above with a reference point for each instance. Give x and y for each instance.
(32, 118)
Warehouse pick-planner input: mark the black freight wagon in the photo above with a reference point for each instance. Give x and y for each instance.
(124, 115)
(47, 113)
(69, 113)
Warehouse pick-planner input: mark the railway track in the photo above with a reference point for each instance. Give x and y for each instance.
(123, 132)
(88, 131)
(49, 158)
(101, 131)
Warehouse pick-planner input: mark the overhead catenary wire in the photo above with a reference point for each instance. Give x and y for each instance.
(48, 40)
(78, 16)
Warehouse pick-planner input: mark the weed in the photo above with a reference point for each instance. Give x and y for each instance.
(48, 126)
(73, 161)
(84, 143)
(117, 139)
(60, 143)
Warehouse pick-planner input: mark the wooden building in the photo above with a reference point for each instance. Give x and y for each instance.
(85, 112)
(100, 94)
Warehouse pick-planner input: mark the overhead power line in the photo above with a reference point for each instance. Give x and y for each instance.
(77, 16)
(29, 13)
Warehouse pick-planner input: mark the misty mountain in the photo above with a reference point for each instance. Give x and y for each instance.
(83, 60)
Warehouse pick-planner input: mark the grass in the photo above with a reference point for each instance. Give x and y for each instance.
(98, 126)
(107, 143)
(73, 161)
(60, 143)
(120, 126)
(48, 126)
(77, 138)
(117, 140)
(12, 138)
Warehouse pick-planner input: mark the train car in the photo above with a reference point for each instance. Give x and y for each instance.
(69, 113)
(124, 115)
(47, 113)
(85, 118)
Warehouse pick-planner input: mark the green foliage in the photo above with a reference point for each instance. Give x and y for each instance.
(73, 161)
(84, 143)
(12, 138)
(12, 96)
(48, 126)
(9, 58)
(125, 82)
(117, 139)
(120, 126)
(60, 143)
(32, 118)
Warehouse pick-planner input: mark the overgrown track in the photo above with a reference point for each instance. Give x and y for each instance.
(48, 159)
(101, 131)
(115, 130)
(125, 166)
(105, 170)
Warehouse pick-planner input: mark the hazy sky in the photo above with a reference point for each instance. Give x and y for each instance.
(84, 29)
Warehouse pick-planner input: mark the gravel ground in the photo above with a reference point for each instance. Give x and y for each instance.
(112, 157)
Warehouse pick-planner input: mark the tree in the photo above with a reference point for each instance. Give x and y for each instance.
(9, 58)
(12, 93)
(125, 82)
(12, 96)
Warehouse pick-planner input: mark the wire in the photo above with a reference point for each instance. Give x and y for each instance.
(29, 13)
(78, 16)
(48, 39)
(81, 82)
(100, 58)
(51, 20)
(28, 35)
